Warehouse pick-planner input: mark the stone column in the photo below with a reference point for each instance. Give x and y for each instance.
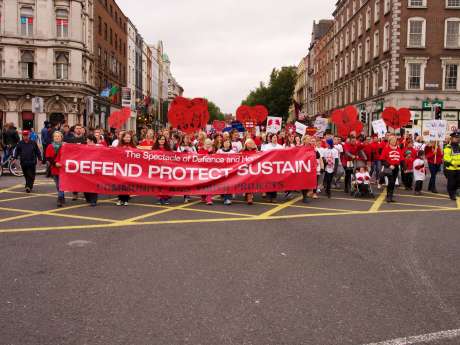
(39, 119)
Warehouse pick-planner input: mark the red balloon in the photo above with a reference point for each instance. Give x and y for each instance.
(118, 118)
(188, 115)
(247, 114)
(396, 118)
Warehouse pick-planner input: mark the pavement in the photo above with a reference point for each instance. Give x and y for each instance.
(332, 272)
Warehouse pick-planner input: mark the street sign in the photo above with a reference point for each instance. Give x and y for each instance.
(430, 104)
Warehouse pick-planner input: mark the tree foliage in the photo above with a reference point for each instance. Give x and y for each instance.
(214, 112)
(277, 95)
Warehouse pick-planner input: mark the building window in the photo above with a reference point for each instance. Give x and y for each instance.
(368, 18)
(347, 38)
(385, 71)
(1, 62)
(416, 33)
(62, 23)
(346, 64)
(387, 6)
(105, 31)
(376, 44)
(417, 3)
(376, 11)
(452, 35)
(27, 21)
(354, 6)
(360, 55)
(366, 86)
(453, 4)
(111, 36)
(367, 50)
(358, 89)
(414, 76)
(386, 37)
(375, 82)
(99, 25)
(360, 25)
(341, 68)
(451, 77)
(27, 64)
(352, 59)
(353, 32)
(62, 65)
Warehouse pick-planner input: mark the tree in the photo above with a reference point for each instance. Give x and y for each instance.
(214, 112)
(277, 96)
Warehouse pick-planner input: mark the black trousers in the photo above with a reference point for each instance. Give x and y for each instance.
(348, 173)
(29, 174)
(91, 197)
(392, 181)
(453, 182)
(124, 198)
(408, 179)
(418, 186)
(328, 181)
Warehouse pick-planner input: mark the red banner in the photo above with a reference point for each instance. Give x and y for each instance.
(132, 171)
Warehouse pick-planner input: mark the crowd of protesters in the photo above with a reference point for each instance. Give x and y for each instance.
(354, 163)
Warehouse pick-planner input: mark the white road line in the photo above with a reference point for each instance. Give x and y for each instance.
(424, 338)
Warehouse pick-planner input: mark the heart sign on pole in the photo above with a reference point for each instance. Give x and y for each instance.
(274, 124)
(347, 121)
(118, 118)
(188, 115)
(255, 115)
(396, 118)
(219, 125)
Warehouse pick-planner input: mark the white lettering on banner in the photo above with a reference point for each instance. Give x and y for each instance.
(104, 168)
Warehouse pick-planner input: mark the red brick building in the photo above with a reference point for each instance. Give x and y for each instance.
(110, 47)
(379, 53)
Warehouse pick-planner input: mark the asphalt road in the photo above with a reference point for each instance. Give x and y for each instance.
(335, 272)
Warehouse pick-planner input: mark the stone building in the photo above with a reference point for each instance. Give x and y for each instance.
(45, 53)
(380, 53)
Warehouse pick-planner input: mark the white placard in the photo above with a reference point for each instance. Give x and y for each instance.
(300, 128)
(380, 128)
(435, 130)
(274, 124)
(257, 131)
(37, 105)
(321, 125)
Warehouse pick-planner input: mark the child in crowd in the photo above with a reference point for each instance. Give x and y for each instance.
(408, 168)
(363, 180)
(226, 149)
(419, 173)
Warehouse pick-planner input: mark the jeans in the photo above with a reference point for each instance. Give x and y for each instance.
(377, 169)
(418, 186)
(56, 181)
(434, 169)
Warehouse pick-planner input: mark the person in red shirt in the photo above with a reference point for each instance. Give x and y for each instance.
(250, 148)
(162, 144)
(434, 156)
(407, 172)
(207, 149)
(100, 139)
(391, 159)
(53, 157)
(368, 151)
(149, 139)
(126, 143)
(353, 152)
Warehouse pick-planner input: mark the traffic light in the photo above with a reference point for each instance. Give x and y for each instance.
(437, 112)
(363, 116)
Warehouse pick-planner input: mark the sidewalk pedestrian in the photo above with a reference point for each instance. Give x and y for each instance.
(419, 172)
(28, 153)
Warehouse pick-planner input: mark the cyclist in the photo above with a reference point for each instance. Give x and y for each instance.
(10, 140)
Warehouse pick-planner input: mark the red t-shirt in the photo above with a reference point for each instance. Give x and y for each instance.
(430, 155)
(368, 150)
(393, 156)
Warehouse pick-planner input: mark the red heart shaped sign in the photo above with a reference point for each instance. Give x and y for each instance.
(396, 118)
(118, 118)
(347, 121)
(188, 115)
(219, 125)
(247, 114)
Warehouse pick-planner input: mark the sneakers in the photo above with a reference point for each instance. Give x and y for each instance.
(227, 202)
(60, 202)
(186, 199)
(28, 189)
(93, 204)
(119, 203)
(250, 199)
(305, 200)
(125, 203)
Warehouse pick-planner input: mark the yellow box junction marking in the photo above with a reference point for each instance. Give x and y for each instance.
(378, 202)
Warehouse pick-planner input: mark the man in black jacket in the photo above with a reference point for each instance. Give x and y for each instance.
(28, 153)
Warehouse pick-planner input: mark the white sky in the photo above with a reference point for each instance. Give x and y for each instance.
(221, 49)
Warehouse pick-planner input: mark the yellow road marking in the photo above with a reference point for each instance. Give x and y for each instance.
(458, 203)
(320, 208)
(11, 188)
(169, 209)
(215, 220)
(378, 202)
(279, 208)
(440, 197)
(355, 199)
(412, 205)
(20, 198)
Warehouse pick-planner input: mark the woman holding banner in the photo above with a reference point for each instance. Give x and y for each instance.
(272, 145)
(53, 155)
(126, 143)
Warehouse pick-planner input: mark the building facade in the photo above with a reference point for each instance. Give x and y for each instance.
(46, 54)
(380, 53)
(110, 46)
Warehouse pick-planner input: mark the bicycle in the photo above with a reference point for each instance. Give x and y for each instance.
(13, 166)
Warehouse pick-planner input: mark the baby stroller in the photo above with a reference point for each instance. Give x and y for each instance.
(361, 186)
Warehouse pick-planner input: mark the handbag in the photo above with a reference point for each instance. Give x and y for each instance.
(386, 171)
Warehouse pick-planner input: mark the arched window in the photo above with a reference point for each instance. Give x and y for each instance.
(27, 21)
(62, 23)
(62, 65)
(27, 64)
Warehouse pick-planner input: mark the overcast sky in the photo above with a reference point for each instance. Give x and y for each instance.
(221, 49)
